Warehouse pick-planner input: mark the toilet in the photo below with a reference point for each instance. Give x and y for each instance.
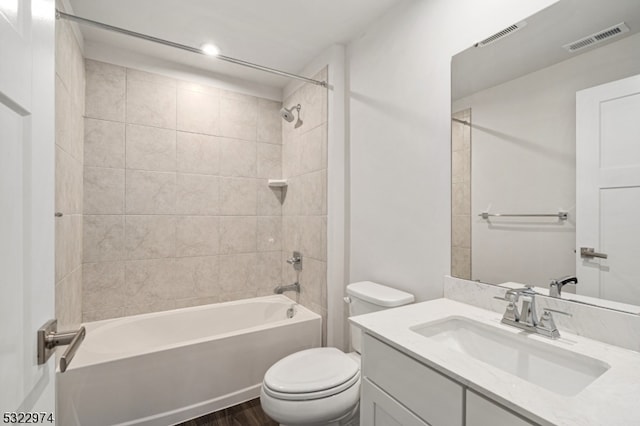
(321, 386)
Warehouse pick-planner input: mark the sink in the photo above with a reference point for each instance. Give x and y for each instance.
(555, 369)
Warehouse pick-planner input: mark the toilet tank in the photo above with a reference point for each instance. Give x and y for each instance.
(366, 297)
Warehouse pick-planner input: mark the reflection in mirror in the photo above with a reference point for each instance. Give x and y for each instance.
(514, 148)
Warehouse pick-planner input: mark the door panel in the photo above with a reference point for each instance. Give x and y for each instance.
(608, 189)
(26, 197)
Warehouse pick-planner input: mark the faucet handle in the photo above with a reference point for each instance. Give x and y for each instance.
(547, 326)
(511, 313)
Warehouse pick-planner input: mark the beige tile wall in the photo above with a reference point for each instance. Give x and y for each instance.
(176, 203)
(69, 93)
(304, 215)
(461, 196)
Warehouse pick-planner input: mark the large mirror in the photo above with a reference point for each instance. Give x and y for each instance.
(546, 153)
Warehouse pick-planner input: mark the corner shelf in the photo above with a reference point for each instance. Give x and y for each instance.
(278, 183)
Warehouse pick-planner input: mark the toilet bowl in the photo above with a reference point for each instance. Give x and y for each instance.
(321, 386)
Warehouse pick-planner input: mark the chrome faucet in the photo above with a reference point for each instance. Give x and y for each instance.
(296, 261)
(555, 287)
(291, 287)
(526, 319)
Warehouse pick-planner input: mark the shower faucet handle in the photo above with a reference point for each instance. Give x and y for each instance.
(296, 261)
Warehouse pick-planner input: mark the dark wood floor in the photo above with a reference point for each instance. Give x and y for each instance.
(248, 414)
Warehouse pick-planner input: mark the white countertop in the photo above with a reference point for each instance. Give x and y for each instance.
(612, 399)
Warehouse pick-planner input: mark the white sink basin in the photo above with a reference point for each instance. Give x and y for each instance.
(558, 370)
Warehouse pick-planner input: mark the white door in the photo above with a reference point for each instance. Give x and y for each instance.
(26, 203)
(608, 190)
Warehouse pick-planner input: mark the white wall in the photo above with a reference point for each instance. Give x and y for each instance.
(398, 94)
(523, 161)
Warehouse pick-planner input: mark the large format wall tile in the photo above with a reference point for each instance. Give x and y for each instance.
(103, 143)
(151, 104)
(269, 159)
(68, 197)
(103, 238)
(198, 153)
(176, 175)
(149, 237)
(304, 220)
(237, 158)
(238, 197)
(197, 235)
(269, 121)
(238, 234)
(68, 295)
(198, 112)
(103, 286)
(103, 191)
(199, 275)
(237, 272)
(269, 233)
(150, 148)
(238, 117)
(197, 195)
(150, 192)
(105, 91)
(69, 135)
(68, 245)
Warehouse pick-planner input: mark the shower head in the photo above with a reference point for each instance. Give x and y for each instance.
(287, 114)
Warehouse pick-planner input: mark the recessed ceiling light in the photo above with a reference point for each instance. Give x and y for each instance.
(210, 49)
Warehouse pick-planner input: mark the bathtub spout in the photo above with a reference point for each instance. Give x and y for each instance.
(292, 287)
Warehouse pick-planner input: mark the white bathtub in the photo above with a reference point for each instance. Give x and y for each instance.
(168, 367)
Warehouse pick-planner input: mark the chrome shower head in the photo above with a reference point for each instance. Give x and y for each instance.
(287, 114)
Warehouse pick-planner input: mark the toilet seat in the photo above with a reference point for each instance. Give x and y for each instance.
(311, 374)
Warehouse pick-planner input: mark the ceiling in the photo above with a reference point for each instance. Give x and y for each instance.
(282, 34)
(539, 44)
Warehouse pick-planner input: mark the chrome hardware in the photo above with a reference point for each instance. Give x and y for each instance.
(526, 319)
(296, 261)
(49, 338)
(347, 300)
(589, 253)
(291, 312)
(291, 287)
(547, 326)
(560, 215)
(58, 214)
(555, 287)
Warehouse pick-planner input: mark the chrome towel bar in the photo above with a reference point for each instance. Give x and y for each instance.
(560, 215)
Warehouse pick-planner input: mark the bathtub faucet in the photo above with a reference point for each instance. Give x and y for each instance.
(291, 287)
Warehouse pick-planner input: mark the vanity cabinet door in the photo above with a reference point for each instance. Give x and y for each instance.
(379, 409)
(435, 398)
(482, 412)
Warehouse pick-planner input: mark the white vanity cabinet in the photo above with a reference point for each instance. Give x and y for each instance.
(400, 391)
(482, 412)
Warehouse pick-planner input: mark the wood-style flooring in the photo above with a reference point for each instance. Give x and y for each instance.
(248, 414)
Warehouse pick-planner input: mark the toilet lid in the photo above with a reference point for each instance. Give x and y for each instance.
(311, 370)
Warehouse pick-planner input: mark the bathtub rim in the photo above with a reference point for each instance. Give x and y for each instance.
(93, 358)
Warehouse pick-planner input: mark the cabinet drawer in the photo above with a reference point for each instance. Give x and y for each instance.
(482, 412)
(433, 397)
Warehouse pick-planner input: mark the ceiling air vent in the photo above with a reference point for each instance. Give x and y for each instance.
(596, 38)
(501, 34)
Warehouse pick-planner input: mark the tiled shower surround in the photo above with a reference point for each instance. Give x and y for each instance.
(68, 189)
(177, 210)
(304, 215)
(461, 195)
